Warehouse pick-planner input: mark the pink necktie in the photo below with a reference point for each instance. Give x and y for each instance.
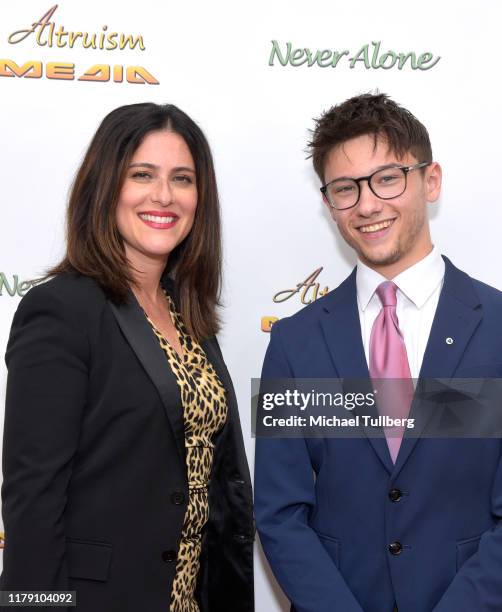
(388, 360)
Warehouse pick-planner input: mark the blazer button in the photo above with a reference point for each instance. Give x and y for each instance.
(395, 548)
(395, 495)
(169, 556)
(178, 498)
(240, 537)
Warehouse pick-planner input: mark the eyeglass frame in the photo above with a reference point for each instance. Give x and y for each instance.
(405, 169)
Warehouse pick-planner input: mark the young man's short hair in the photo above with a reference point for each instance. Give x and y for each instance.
(374, 114)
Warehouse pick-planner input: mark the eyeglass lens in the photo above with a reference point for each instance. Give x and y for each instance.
(386, 184)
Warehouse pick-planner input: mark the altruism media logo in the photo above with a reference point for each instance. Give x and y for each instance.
(45, 34)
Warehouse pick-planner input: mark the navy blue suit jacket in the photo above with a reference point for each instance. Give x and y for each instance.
(322, 506)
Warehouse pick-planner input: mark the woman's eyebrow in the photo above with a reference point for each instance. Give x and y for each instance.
(143, 165)
(155, 167)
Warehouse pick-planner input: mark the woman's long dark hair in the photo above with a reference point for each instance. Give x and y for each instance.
(94, 245)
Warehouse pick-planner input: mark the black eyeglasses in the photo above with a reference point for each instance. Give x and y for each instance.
(386, 184)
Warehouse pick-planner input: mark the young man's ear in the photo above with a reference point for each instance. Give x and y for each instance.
(434, 176)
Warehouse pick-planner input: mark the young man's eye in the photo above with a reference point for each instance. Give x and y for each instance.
(388, 177)
(344, 189)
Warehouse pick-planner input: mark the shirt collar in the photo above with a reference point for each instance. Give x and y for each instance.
(417, 282)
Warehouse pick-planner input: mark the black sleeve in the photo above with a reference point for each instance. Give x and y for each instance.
(47, 358)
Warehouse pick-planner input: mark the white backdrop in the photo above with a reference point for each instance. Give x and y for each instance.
(212, 60)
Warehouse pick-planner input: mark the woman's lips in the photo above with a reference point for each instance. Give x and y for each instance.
(159, 220)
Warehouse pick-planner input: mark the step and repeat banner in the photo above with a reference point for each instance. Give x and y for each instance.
(254, 76)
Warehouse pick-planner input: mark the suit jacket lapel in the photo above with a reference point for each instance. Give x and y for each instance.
(213, 354)
(342, 333)
(138, 333)
(457, 316)
(231, 433)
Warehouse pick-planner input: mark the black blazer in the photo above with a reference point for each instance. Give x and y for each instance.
(95, 486)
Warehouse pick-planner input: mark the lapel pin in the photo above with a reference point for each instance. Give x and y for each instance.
(449, 340)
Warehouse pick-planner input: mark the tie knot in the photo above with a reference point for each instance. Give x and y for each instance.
(386, 291)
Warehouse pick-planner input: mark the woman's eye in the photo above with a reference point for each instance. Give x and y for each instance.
(141, 175)
(183, 178)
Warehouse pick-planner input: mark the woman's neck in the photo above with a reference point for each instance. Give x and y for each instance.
(147, 273)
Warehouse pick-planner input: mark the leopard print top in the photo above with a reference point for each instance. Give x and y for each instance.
(204, 413)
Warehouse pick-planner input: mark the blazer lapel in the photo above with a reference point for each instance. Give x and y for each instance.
(342, 333)
(213, 353)
(214, 356)
(457, 316)
(209, 345)
(138, 333)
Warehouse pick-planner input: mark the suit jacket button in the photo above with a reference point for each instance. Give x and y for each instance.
(178, 498)
(169, 556)
(395, 548)
(395, 495)
(240, 537)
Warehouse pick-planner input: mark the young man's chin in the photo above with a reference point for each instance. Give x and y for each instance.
(379, 259)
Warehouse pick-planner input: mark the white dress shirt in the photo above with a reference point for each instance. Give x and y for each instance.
(417, 298)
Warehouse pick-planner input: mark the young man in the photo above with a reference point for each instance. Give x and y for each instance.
(390, 523)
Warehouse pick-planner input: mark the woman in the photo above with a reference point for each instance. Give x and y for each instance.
(125, 477)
